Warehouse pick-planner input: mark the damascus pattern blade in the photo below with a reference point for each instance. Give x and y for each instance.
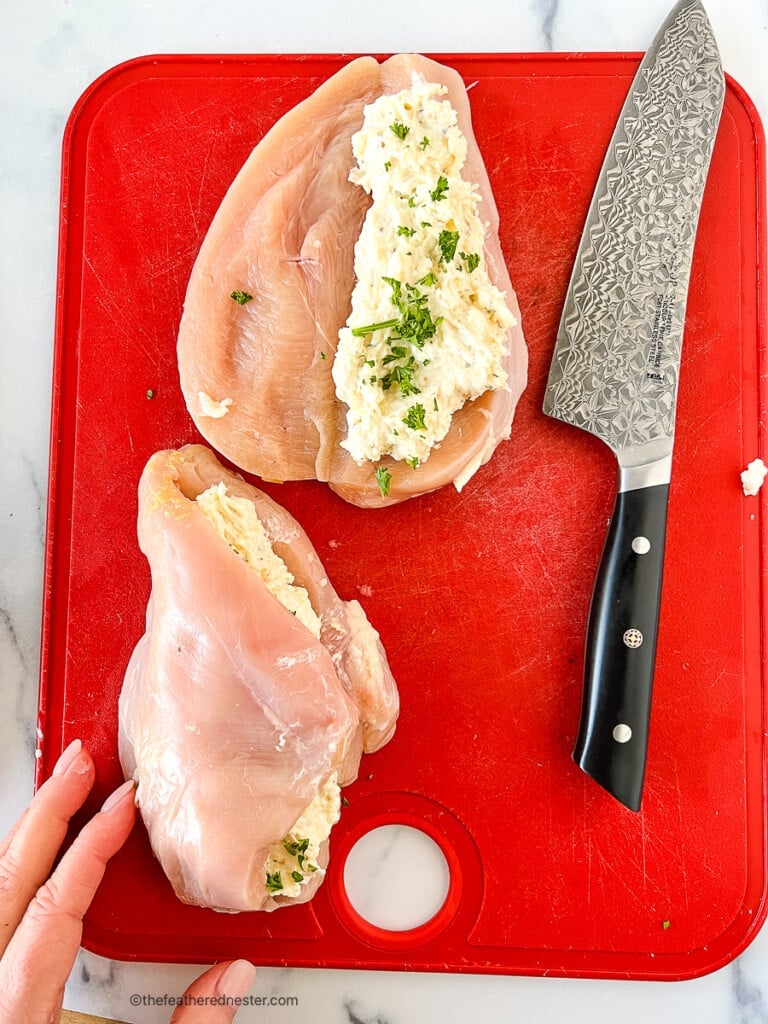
(616, 362)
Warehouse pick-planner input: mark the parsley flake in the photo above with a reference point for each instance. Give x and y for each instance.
(438, 192)
(240, 297)
(400, 130)
(448, 242)
(274, 881)
(471, 259)
(415, 417)
(383, 479)
(360, 332)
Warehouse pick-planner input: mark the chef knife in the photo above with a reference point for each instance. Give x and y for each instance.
(616, 364)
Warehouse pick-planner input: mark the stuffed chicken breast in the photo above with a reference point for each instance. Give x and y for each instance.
(251, 697)
(350, 317)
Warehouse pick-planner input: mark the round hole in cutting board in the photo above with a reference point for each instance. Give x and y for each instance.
(396, 877)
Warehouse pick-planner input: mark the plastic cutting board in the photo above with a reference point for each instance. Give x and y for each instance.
(481, 597)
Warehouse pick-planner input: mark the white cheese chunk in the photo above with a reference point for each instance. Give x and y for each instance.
(210, 407)
(235, 520)
(753, 476)
(420, 271)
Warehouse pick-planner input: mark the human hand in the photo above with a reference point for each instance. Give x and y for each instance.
(41, 914)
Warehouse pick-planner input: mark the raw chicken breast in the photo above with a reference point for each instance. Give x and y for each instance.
(256, 376)
(238, 720)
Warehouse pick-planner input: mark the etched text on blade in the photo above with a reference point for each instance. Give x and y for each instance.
(617, 358)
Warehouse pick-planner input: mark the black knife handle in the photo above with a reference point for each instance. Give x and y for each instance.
(621, 645)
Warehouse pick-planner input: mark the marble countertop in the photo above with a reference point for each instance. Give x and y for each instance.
(51, 50)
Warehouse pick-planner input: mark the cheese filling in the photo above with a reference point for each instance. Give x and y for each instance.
(293, 860)
(235, 520)
(427, 329)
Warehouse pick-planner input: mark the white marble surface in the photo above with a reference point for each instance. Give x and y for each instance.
(49, 51)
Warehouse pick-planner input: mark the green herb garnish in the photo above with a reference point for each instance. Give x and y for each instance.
(383, 479)
(448, 242)
(412, 462)
(400, 130)
(424, 142)
(408, 232)
(472, 260)
(387, 165)
(360, 332)
(414, 418)
(402, 376)
(274, 881)
(150, 394)
(438, 192)
(241, 297)
(297, 876)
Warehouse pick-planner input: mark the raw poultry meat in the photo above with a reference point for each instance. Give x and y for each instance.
(256, 372)
(240, 715)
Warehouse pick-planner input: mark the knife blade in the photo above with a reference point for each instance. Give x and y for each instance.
(616, 364)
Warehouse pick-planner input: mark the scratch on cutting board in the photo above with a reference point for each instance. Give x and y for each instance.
(112, 308)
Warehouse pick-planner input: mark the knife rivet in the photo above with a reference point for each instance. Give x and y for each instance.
(641, 545)
(633, 638)
(622, 733)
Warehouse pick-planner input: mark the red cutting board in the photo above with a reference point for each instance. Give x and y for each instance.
(480, 597)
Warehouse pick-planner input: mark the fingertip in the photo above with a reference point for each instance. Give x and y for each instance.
(73, 762)
(119, 797)
(236, 980)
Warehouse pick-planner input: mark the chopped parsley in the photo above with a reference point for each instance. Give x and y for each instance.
(402, 376)
(387, 165)
(400, 130)
(323, 355)
(274, 881)
(415, 417)
(428, 279)
(150, 394)
(293, 849)
(438, 192)
(411, 201)
(416, 324)
(412, 462)
(383, 479)
(424, 142)
(241, 297)
(471, 259)
(448, 242)
(297, 876)
(408, 232)
(360, 332)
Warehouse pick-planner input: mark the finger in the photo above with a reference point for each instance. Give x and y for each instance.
(40, 955)
(29, 851)
(230, 980)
